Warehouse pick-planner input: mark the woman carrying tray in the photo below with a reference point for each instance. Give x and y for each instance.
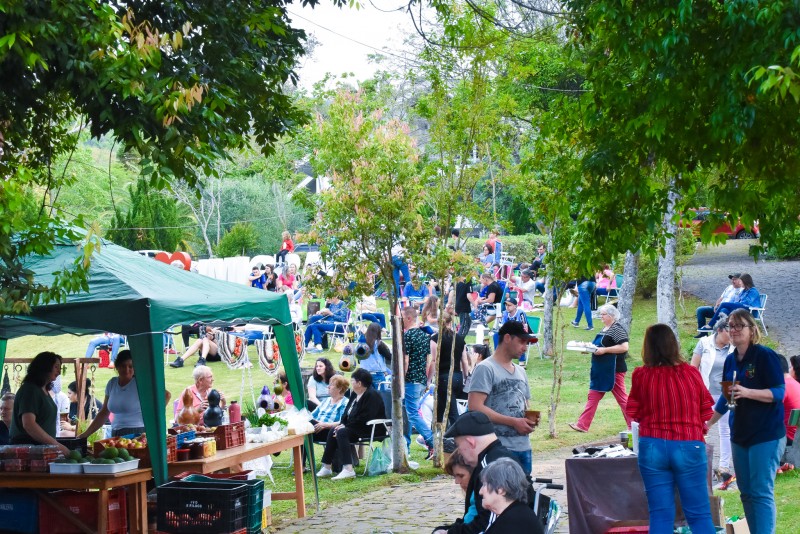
(608, 368)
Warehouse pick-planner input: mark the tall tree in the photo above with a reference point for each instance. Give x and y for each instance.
(371, 209)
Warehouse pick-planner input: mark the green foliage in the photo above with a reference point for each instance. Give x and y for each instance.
(671, 93)
(152, 221)
(241, 240)
(180, 84)
(787, 248)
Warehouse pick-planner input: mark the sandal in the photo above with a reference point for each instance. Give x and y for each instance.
(575, 427)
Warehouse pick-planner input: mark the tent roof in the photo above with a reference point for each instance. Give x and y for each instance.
(130, 294)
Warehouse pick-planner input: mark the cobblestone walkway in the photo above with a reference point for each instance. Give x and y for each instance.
(706, 275)
(417, 508)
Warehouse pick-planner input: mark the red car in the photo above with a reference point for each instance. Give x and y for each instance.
(700, 215)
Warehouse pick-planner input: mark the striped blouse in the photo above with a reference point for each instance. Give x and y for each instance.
(670, 402)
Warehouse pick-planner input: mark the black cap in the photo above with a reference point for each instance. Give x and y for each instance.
(515, 328)
(512, 300)
(470, 424)
(735, 275)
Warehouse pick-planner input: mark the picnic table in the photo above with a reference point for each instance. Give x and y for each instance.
(231, 460)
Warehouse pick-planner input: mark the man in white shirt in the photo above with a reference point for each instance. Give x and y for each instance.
(729, 295)
(527, 286)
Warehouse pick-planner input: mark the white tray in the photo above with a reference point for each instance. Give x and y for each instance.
(66, 469)
(108, 469)
(581, 347)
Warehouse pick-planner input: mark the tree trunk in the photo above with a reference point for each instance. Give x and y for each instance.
(555, 389)
(399, 462)
(629, 278)
(665, 294)
(548, 347)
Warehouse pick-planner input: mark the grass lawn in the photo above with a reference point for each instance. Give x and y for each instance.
(608, 420)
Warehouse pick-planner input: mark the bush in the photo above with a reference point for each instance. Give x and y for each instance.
(788, 247)
(522, 247)
(241, 240)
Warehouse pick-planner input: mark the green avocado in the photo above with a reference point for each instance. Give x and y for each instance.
(74, 455)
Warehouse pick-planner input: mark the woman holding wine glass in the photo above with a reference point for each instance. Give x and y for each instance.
(758, 434)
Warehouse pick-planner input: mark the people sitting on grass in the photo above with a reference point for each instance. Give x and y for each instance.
(365, 404)
(206, 344)
(729, 294)
(321, 323)
(748, 298)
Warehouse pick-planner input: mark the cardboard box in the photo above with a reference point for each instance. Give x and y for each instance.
(739, 527)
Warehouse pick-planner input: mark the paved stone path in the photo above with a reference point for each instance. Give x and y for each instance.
(417, 507)
(706, 275)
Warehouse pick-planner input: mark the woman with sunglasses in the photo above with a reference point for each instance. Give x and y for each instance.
(758, 434)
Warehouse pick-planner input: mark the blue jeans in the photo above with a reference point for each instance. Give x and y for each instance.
(411, 403)
(665, 464)
(113, 340)
(376, 317)
(585, 290)
(755, 468)
(703, 313)
(726, 308)
(399, 266)
(316, 330)
(525, 459)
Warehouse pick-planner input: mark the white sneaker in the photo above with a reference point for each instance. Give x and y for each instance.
(318, 347)
(324, 472)
(346, 473)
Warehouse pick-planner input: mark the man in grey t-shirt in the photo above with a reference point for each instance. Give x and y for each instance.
(499, 388)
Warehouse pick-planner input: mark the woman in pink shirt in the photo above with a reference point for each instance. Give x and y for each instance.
(606, 279)
(671, 404)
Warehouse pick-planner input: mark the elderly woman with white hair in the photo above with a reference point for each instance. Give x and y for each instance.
(608, 368)
(203, 384)
(505, 494)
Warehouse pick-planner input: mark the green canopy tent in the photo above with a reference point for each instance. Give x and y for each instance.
(138, 297)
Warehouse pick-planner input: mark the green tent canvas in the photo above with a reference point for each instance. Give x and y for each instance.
(139, 297)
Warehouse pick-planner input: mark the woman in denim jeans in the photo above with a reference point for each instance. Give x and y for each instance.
(671, 404)
(586, 287)
(758, 434)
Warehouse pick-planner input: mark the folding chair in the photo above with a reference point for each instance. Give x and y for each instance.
(340, 330)
(758, 312)
(534, 323)
(614, 292)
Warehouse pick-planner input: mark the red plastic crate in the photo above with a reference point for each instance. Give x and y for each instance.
(228, 436)
(84, 505)
(631, 530)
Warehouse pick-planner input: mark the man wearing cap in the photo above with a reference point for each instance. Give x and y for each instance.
(477, 443)
(499, 389)
(730, 294)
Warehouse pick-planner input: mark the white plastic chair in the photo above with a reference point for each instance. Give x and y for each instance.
(758, 312)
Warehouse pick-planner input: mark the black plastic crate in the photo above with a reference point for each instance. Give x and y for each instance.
(255, 500)
(202, 507)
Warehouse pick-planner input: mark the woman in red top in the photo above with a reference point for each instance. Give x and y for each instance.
(286, 247)
(671, 404)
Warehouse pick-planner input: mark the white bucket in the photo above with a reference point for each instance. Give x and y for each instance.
(635, 431)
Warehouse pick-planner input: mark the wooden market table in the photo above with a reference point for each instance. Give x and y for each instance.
(232, 460)
(137, 495)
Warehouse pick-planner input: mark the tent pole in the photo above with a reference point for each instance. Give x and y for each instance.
(3, 344)
(284, 335)
(147, 351)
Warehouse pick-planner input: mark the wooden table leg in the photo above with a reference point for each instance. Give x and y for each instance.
(300, 495)
(102, 510)
(137, 508)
